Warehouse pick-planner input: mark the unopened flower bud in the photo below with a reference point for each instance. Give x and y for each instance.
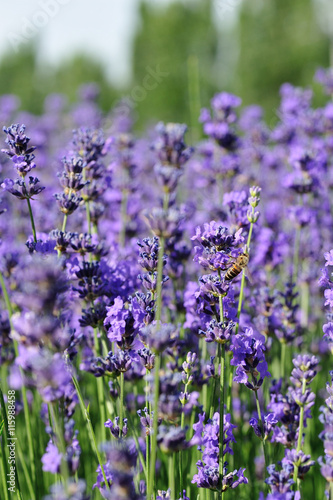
(252, 217)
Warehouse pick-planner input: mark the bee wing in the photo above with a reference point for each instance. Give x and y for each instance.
(248, 274)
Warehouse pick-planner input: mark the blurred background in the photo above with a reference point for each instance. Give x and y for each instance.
(168, 57)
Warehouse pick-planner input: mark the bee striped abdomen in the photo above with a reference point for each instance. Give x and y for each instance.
(237, 267)
(234, 271)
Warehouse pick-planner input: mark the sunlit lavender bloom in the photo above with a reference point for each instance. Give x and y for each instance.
(280, 481)
(71, 183)
(147, 358)
(22, 190)
(171, 151)
(89, 143)
(51, 459)
(326, 418)
(68, 203)
(146, 304)
(217, 244)
(72, 165)
(19, 150)
(269, 422)
(101, 366)
(91, 284)
(219, 126)
(146, 420)
(217, 237)
(122, 320)
(219, 332)
(207, 437)
(304, 371)
(148, 256)
(300, 460)
(94, 315)
(114, 427)
(248, 356)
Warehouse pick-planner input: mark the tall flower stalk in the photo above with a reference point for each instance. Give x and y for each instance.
(252, 216)
(21, 154)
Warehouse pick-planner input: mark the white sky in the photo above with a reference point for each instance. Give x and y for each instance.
(101, 28)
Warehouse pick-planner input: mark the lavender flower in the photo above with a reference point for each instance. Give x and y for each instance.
(19, 150)
(248, 350)
(21, 189)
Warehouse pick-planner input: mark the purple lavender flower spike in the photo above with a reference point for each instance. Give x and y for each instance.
(19, 150)
(248, 350)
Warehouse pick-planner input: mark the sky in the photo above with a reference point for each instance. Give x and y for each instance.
(103, 29)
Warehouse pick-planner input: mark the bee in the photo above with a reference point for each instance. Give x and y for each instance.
(238, 266)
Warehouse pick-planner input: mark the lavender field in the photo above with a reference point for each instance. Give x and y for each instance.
(166, 324)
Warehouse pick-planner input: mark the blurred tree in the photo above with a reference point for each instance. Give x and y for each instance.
(19, 75)
(80, 69)
(178, 42)
(22, 75)
(280, 41)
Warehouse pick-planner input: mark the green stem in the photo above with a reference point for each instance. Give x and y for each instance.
(262, 432)
(100, 392)
(86, 416)
(159, 280)
(64, 223)
(23, 389)
(88, 216)
(142, 460)
(241, 293)
(155, 426)
(6, 297)
(3, 440)
(239, 310)
(18, 448)
(300, 432)
(222, 363)
(26, 472)
(32, 221)
(147, 460)
(62, 445)
(229, 395)
(283, 360)
(182, 424)
(157, 369)
(121, 412)
(205, 386)
(172, 475)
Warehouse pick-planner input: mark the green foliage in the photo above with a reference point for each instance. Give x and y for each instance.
(19, 76)
(280, 41)
(78, 70)
(167, 39)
